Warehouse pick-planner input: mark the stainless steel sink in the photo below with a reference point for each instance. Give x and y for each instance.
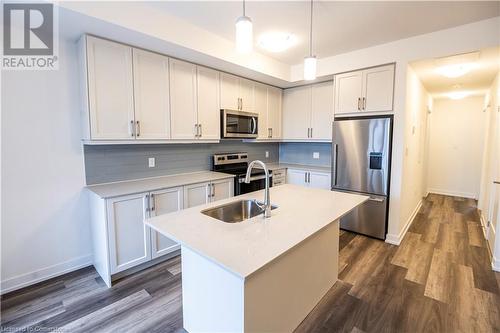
(236, 211)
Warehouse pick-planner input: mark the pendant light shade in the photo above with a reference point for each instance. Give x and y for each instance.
(244, 33)
(310, 68)
(310, 61)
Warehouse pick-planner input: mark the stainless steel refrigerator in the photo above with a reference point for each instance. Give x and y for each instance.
(361, 163)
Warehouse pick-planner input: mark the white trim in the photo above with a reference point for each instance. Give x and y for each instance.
(396, 239)
(495, 264)
(43, 274)
(483, 226)
(453, 193)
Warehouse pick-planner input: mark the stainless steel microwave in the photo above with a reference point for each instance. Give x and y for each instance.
(239, 124)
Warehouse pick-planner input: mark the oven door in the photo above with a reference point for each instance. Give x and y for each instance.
(239, 124)
(256, 183)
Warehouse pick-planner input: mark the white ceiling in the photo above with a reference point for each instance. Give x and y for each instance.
(339, 27)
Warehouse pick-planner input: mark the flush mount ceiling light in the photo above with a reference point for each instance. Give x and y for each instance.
(310, 61)
(456, 70)
(277, 41)
(458, 94)
(244, 33)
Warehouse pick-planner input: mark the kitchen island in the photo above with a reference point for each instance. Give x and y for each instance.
(259, 274)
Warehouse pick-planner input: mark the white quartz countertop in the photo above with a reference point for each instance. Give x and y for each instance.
(247, 246)
(109, 190)
(275, 166)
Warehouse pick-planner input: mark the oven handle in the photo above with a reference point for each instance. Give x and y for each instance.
(242, 180)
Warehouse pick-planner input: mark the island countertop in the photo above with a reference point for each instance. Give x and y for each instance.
(245, 247)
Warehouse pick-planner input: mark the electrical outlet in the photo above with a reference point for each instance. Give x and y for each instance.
(151, 162)
(267, 154)
(316, 155)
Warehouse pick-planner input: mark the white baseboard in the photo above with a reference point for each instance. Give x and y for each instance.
(495, 264)
(46, 273)
(453, 193)
(396, 239)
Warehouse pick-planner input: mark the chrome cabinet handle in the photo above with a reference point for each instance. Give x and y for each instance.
(305, 177)
(131, 128)
(364, 103)
(271, 132)
(137, 128)
(148, 203)
(213, 190)
(197, 130)
(311, 132)
(241, 99)
(201, 130)
(153, 204)
(359, 103)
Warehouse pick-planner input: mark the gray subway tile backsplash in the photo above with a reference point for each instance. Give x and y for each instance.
(302, 153)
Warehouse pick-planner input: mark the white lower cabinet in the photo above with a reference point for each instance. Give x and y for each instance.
(164, 202)
(129, 238)
(120, 238)
(315, 179)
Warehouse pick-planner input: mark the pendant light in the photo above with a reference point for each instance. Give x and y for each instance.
(244, 35)
(310, 61)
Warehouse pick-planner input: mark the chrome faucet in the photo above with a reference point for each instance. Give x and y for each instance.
(267, 200)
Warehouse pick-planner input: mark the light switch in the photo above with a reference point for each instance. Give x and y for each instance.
(151, 162)
(316, 155)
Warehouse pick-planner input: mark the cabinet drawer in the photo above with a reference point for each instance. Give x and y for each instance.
(279, 173)
(278, 182)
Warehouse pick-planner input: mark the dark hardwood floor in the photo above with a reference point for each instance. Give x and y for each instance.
(438, 280)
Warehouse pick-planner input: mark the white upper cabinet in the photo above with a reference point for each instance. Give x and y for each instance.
(308, 112)
(151, 95)
(208, 103)
(296, 112)
(236, 93)
(183, 110)
(274, 101)
(110, 91)
(368, 90)
(261, 108)
(378, 89)
(322, 111)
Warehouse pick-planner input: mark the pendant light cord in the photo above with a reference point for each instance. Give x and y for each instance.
(244, 8)
(310, 31)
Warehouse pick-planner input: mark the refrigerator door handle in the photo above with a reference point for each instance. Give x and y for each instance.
(334, 164)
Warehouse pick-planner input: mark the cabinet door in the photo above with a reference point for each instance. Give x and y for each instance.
(111, 100)
(151, 95)
(164, 202)
(229, 91)
(320, 180)
(296, 112)
(247, 95)
(274, 99)
(222, 189)
(208, 103)
(128, 237)
(348, 92)
(296, 177)
(183, 99)
(378, 88)
(322, 111)
(261, 108)
(196, 194)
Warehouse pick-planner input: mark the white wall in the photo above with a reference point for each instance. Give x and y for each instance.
(44, 215)
(414, 172)
(456, 146)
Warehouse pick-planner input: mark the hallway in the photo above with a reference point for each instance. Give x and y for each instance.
(438, 280)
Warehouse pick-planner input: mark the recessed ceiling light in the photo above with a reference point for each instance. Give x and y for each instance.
(277, 41)
(456, 70)
(458, 94)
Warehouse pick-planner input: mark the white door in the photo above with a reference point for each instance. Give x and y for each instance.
(110, 89)
(296, 177)
(222, 189)
(164, 202)
(261, 108)
(320, 180)
(208, 103)
(348, 92)
(229, 91)
(129, 238)
(247, 95)
(296, 113)
(322, 111)
(183, 111)
(196, 194)
(274, 98)
(151, 95)
(378, 88)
